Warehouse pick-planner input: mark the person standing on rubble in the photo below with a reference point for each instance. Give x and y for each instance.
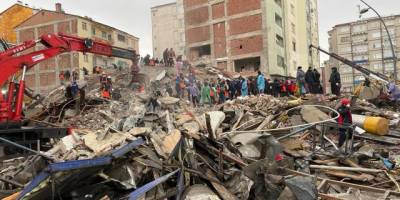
(205, 94)
(244, 88)
(260, 83)
(171, 55)
(221, 92)
(335, 82)
(310, 81)
(165, 57)
(301, 80)
(344, 119)
(194, 93)
(179, 65)
(177, 86)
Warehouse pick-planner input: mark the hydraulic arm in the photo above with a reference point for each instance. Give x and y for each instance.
(11, 62)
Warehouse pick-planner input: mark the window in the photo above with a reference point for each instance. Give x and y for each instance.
(109, 37)
(293, 28)
(373, 25)
(359, 28)
(377, 56)
(361, 38)
(387, 54)
(376, 45)
(121, 38)
(84, 26)
(279, 2)
(389, 66)
(86, 58)
(360, 58)
(294, 46)
(279, 40)
(359, 49)
(345, 39)
(280, 61)
(377, 67)
(344, 29)
(278, 20)
(344, 49)
(103, 34)
(376, 34)
(94, 31)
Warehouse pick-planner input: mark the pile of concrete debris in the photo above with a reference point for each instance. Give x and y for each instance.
(249, 148)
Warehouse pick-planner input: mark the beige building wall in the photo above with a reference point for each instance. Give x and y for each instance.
(301, 30)
(366, 43)
(168, 28)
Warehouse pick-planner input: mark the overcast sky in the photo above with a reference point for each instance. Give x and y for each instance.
(133, 16)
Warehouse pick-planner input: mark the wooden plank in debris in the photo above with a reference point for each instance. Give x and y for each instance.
(380, 139)
(355, 176)
(354, 169)
(170, 141)
(345, 184)
(224, 193)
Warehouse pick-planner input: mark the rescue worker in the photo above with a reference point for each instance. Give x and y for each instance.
(260, 83)
(244, 88)
(344, 119)
(103, 80)
(205, 94)
(335, 82)
(74, 89)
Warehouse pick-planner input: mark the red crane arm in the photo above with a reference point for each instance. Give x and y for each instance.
(54, 45)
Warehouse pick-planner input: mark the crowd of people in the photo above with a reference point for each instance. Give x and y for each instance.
(308, 82)
(168, 59)
(217, 91)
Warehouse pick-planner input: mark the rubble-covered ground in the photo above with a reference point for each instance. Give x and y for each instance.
(249, 148)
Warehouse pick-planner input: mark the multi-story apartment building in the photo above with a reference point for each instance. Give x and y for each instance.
(366, 43)
(44, 76)
(168, 28)
(11, 17)
(248, 35)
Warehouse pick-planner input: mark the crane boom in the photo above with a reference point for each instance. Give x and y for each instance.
(12, 62)
(374, 75)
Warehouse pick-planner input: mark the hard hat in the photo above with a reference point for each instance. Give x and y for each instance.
(345, 101)
(109, 77)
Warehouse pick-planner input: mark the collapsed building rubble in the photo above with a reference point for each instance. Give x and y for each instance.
(249, 148)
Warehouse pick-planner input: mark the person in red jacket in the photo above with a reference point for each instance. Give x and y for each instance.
(345, 118)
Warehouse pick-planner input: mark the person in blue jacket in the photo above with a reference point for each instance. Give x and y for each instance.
(260, 83)
(244, 88)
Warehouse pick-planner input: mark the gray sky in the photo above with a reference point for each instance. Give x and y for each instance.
(133, 16)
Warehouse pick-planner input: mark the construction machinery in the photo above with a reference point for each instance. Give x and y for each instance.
(375, 84)
(13, 61)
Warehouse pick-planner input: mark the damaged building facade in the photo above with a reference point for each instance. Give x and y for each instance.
(44, 76)
(237, 35)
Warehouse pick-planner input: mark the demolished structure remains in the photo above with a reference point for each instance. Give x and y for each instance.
(250, 148)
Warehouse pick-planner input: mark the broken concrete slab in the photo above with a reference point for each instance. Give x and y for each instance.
(111, 141)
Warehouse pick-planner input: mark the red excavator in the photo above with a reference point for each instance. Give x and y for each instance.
(13, 61)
